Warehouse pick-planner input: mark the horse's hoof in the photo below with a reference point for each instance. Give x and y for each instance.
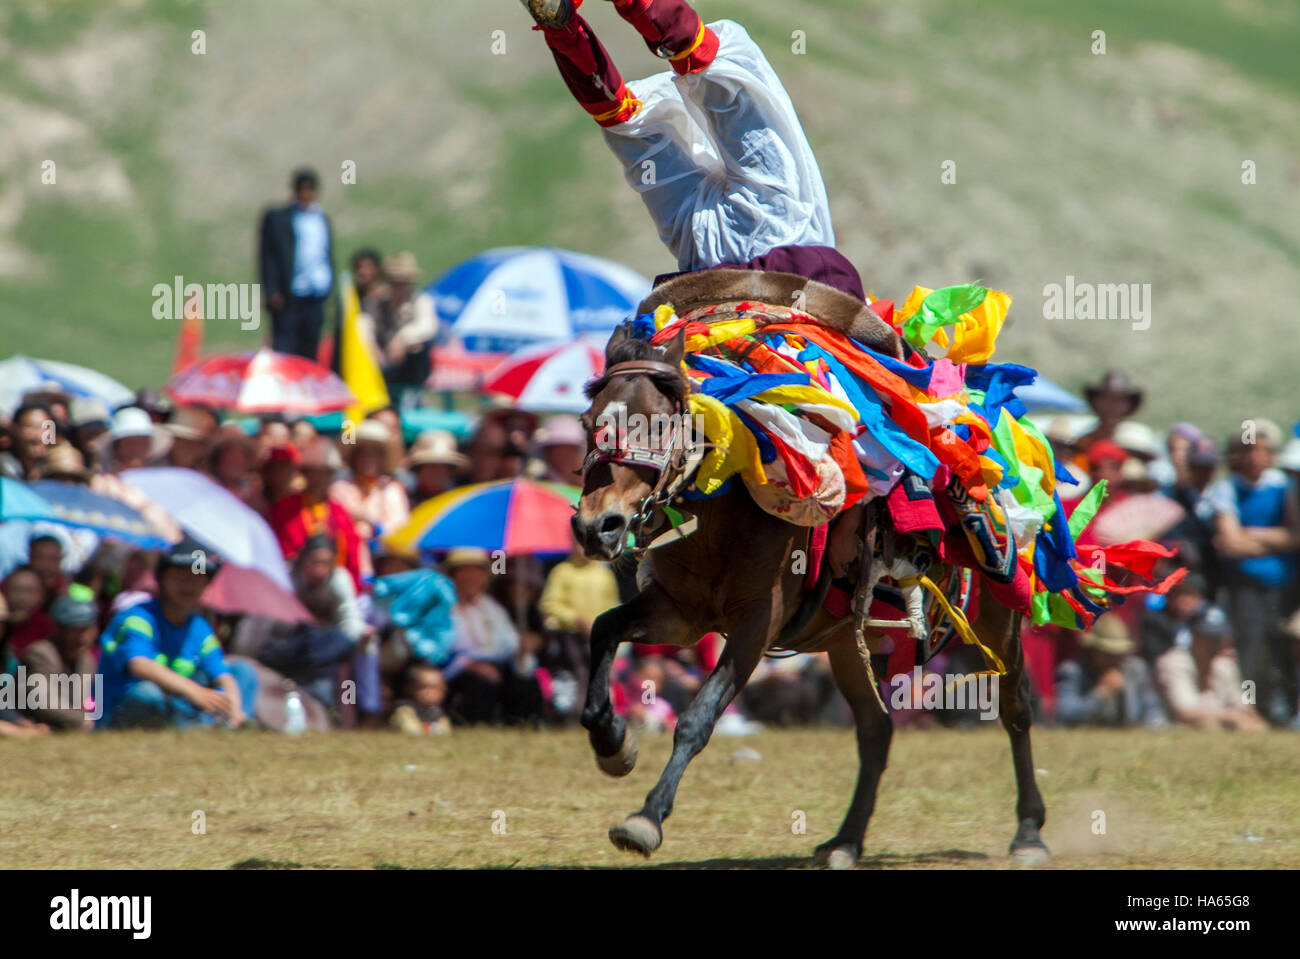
(622, 762)
(636, 834)
(836, 856)
(1030, 854)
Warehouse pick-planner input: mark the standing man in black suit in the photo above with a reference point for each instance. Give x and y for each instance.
(297, 264)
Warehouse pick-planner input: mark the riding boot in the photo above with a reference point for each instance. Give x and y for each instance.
(589, 71)
(672, 31)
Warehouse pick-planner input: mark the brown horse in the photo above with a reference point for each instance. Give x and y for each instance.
(734, 575)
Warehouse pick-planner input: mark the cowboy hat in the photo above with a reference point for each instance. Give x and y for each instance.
(435, 447)
(1114, 381)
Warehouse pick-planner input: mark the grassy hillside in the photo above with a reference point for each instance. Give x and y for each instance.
(1117, 168)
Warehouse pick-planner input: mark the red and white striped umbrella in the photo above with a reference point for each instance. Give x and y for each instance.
(261, 382)
(547, 379)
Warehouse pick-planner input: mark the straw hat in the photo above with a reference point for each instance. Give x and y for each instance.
(64, 461)
(187, 423)
(88, 411)
(401, 267)
(1109, 635)
(373, 433)
(1138, 439)
(466, 556)
(435, 447)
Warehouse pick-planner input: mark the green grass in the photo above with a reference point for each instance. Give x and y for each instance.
(1174, 799)
(1123, 168)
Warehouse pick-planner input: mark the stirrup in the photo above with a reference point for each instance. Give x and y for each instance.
(554, 14)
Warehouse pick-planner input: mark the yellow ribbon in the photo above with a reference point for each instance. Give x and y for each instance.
(959, 620)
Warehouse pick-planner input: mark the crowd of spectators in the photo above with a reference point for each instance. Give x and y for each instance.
(1218, 650)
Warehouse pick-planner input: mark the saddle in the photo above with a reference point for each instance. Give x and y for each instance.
(828, 306)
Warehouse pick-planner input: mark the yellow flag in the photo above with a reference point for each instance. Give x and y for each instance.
(357, 365)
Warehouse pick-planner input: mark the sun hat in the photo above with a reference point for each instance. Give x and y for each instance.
(321, 455)
(435, 447)
(64, 460)
(1114, 381)
(1109, 635)
(187, 423)
(466, 556)
(131, 421)
(401, 267)
(88, 411)
(560, 430)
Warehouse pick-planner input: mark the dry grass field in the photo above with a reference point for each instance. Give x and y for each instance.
(501, 799)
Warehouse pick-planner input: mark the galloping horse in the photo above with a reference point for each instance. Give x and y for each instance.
(734, 575)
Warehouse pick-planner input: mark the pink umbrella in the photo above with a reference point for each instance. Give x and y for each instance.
(457, 370)
(261, 382)
(547, 378)
(241, 589)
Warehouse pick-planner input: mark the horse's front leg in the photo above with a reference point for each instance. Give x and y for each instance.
(649, 617)
(643, 831)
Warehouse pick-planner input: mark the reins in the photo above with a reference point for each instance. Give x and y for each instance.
(674, 464)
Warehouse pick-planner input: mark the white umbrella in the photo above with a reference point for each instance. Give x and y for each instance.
(19, 374)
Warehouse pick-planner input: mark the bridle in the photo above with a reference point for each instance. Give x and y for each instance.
(674, 464)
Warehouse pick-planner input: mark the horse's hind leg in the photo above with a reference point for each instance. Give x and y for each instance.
(643, 831)
(875, 730)
(1000, 628)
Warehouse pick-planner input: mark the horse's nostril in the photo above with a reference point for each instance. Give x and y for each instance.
(611, 523)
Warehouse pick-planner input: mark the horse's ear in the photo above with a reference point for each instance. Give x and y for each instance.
(675, 350)
(620, 336)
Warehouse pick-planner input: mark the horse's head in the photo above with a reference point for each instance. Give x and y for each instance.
(630, 437)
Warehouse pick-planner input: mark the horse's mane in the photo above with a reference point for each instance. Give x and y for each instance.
(630, 348)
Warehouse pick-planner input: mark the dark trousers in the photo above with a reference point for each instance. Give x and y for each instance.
(296, 328)
(514, 700)
(1263, 647)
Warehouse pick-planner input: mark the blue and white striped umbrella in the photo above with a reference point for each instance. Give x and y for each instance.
(19, 374)
(519, 296)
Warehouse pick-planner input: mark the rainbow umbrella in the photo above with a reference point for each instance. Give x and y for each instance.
(518, 516)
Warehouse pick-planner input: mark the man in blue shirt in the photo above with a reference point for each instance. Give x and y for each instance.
(1257, 534)
(297, 268)
(161, 663)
